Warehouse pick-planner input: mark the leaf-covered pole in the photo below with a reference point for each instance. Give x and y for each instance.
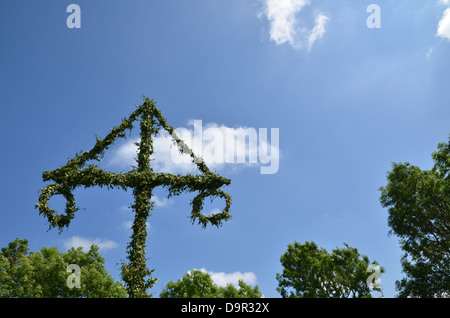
(135, 273)
(142, 180)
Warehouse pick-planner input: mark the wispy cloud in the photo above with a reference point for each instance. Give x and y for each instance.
(284, 24)
(318, 31)
(223, 279)
(85, 243)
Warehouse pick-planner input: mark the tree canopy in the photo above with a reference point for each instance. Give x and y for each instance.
(198, 284)
(312, 272)
(27, 274)
(418, 203)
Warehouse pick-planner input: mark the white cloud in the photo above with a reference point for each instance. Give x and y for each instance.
(222, 279)
(125, 155)
(215, 211)
(127, 224)
(282, 15)
(218, 145)
(161, 202)
(443, 28)
(318, 31)
(125, 208)
(444, 24)
(77, 241)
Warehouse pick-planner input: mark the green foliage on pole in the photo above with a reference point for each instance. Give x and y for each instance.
(142, 180)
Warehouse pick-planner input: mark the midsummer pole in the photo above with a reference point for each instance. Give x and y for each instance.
(142, 180)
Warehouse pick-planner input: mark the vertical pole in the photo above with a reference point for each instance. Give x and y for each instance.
(136, 271)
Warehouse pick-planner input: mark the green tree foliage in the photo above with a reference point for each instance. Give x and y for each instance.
(142, 180)
(198, 284)
(44, 273)
(312, 272)
(418, 203)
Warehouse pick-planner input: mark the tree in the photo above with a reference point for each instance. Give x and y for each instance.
(198, 284)
(142, 180)
(44, 273)
(312, 272)
(418, 203)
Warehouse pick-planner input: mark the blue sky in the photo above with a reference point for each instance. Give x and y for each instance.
(347, 100)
